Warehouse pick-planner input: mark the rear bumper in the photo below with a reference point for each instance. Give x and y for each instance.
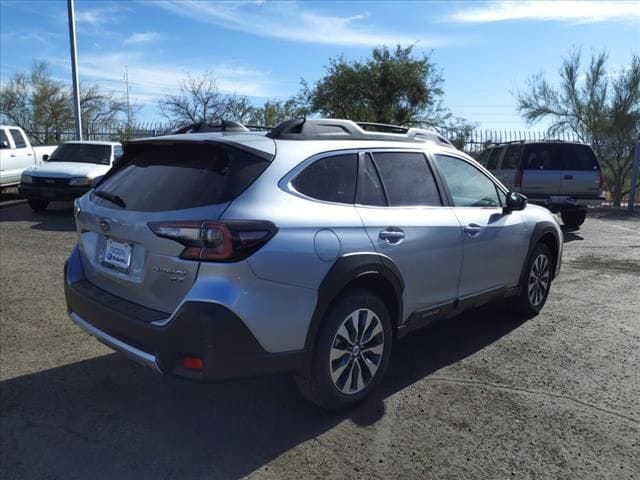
(205, 330)
(52, 193)
(565, 202)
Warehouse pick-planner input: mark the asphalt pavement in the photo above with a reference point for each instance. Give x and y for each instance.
(480, 396)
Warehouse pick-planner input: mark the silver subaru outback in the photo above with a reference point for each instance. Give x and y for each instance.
(310, 249)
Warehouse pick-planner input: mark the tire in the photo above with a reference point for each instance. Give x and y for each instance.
(37, 205)
(536, 283)
(359, 325)
(573, 218)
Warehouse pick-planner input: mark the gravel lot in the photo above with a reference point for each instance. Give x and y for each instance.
(480, 396)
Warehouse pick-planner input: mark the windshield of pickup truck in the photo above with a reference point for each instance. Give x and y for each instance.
(81, 153)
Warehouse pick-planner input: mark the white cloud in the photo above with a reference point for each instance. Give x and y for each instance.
(288, 21)
(141, 38)
(94, 16)
(560, 10)
(149, 80)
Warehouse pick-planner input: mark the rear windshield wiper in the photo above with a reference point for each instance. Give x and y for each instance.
(115, 199)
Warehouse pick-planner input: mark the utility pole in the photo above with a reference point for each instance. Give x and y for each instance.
(74, 68)
(634, 178)
(126, 81)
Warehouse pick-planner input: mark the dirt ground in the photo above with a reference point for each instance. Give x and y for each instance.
(479, 396)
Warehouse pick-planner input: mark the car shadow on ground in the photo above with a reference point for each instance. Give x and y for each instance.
(109, 418)
(58, 217)
(569, 235)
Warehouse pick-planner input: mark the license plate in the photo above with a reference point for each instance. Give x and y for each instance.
(117, 255)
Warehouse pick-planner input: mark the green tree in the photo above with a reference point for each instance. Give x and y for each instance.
(389, 87)
(601, 107)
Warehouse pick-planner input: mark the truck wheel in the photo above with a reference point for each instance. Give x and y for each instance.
(37, 205)
(573, 218)
(351, 353)
(536, 282)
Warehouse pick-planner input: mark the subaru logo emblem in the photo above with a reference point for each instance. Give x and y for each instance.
(105, 226)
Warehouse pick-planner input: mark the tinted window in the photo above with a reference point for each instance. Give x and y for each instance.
(579, 157)
(174, 177)
(407, 179)
(370, 191)
(484, 157)
(117, 153)
(332, 179)
(3, 138)
(492, 163)
(81, 153)
(468, 186)
(18, 138)
(511, 157)
(539, 156)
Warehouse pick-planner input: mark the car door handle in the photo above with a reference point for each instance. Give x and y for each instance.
(12, 155)
(29, 154)
(568, 177)
(391, 235)
(472, 230)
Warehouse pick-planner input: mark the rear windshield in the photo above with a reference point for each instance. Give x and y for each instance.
(558, 156)
(82, 153)
(178, 176)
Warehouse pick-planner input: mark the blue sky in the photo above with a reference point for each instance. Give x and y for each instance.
(486, 50)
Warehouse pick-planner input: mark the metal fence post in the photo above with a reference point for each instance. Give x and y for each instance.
(634, 178)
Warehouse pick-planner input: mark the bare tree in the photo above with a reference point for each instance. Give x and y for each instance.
(199, 100)
(99, 108)
(600, 107)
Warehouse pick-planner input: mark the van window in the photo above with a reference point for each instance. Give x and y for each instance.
(492, 163)
(579, 157)
(541, 156)
(511, 157)
(332, 179)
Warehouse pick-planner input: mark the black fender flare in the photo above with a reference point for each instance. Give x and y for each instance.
(347, 269)
(541, 229)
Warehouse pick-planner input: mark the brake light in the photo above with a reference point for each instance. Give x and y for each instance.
(216, 241)
(517, 181)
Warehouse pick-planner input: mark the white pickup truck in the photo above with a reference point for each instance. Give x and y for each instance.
(68, 173)
(16, 154)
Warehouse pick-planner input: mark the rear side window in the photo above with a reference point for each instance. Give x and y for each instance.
(174, 177)
(511, 157)
(539, 156)
(18, 138)
(492, 162)
(579, 157)
(407, 179)
(332, 179)
(370, 191)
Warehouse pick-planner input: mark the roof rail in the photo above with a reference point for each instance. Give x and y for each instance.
(223, 126)
(340, 129)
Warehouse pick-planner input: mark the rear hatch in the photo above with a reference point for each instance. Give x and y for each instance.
(165, 180)
(580, 171)
(541, 169)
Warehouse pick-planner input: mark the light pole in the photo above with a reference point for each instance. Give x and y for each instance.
(74, 68)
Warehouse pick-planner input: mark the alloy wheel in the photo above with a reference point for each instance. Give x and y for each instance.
(356, 351)
(539, 278)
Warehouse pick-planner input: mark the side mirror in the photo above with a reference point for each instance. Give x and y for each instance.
(45, 157)
(5, 144)
(515, 201)
(96, 181)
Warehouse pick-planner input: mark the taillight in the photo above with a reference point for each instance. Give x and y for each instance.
(216, 241)
(517, 180)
